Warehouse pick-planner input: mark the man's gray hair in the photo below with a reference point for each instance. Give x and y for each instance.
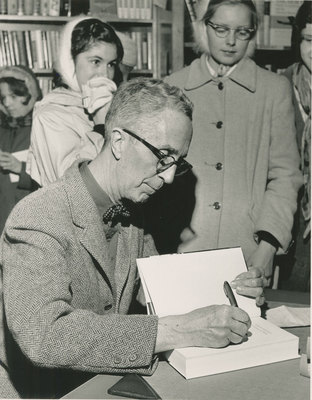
(140, 98)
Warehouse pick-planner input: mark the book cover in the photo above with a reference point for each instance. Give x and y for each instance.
(179, 283)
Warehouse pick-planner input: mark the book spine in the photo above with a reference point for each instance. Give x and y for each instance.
(3, 7)
(138, 40)
(44, 7)
(20, 38)
(34, 54)
(144, 50)
(28, 7)
(16, 48)
(149, 51)
(54, 8)
(28, 48)
(2, 49)
(20, 7)
(12, 7)
(36, 7)
(2, 64)
(7, 48)
(49, 48)
(45, 49)
(39, 49)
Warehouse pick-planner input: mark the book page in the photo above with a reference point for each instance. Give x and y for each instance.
(21, 156)
(179, 283)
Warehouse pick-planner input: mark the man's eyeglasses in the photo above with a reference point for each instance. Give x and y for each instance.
(165, 161)
(223, 31)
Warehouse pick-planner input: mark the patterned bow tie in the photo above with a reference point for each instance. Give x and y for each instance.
(117, 210)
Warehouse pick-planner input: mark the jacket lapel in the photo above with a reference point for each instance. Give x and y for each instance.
(87, 220)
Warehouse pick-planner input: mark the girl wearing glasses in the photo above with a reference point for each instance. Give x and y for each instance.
(299, 74)
(243, 150)
(64, 125)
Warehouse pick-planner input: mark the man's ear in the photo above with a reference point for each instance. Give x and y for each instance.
(117, 143)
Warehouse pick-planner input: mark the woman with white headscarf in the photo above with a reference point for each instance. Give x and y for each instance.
(65, 121)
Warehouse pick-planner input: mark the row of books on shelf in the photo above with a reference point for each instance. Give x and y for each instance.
(276, 18)
(36, 7)
(36, 49)
(134, 9)
(144, 50)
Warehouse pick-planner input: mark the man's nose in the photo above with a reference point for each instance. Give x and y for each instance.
(168, 174)
(231, 39)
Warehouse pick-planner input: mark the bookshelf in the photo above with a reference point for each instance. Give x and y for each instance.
(163, 33)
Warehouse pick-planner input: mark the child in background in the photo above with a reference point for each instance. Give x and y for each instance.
(19, 90)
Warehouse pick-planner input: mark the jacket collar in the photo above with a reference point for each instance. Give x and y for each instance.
(244, 74)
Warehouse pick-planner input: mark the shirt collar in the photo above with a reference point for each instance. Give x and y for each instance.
(100, 198)
(244, 74)
(214, 73)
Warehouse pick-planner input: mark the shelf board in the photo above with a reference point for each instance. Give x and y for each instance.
(273, 48)
(61, 19)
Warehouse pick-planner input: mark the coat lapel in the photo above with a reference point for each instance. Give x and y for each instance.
(87, 220)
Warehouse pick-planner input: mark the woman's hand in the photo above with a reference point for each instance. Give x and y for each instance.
(9, 163)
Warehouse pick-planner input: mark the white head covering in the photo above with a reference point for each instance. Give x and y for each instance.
(25, 74)
(65, 65)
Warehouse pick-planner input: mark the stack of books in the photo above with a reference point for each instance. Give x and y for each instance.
(134, 9)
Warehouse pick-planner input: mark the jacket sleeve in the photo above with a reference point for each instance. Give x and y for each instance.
(56, 144)
(42, 317)
(284, 177)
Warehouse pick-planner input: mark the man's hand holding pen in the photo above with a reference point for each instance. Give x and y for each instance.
(211, 326)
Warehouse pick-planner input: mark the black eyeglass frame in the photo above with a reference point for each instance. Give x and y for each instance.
(182, 165)
(214, 26)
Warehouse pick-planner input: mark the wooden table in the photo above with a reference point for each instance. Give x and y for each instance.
(278, 381)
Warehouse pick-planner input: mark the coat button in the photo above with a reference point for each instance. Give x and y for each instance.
(108, 307)
(216, 205)
(219, 124)
(117, 360)
(133, 357)
(220, 86)
(219, 166)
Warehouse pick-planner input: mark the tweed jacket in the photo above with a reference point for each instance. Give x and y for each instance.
(244, 155)
(65, 306)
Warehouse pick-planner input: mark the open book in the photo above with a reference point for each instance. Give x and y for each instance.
(178, 283)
